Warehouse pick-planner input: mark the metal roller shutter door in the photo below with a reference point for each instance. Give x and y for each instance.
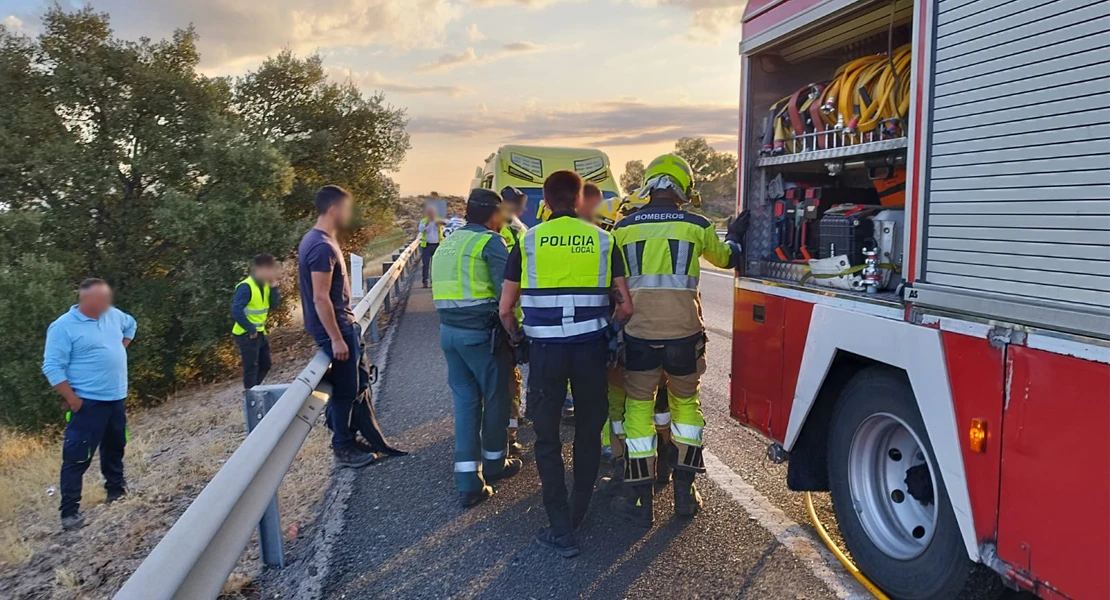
(1017, 216)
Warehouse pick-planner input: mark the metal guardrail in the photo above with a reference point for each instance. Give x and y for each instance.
(197, 554)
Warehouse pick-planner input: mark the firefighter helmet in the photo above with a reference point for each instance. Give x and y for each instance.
(669, 172)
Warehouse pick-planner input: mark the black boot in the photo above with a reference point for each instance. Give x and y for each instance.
(614, 486)
(636, 507)
(663, 466)
(687, 500)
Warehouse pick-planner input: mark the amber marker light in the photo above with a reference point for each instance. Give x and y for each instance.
(977, 435)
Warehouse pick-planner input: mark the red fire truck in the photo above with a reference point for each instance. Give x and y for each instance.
(922, 324)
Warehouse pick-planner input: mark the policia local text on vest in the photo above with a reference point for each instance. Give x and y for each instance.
(563, 272)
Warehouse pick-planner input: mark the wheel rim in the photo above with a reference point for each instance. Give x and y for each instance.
(891, 493)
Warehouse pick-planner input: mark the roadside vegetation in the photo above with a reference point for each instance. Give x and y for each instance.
(120, 160)
(714, 172)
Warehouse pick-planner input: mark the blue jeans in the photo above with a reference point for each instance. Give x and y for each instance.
(479, 382)
(99, 424)
(426, 254)
(350, 410)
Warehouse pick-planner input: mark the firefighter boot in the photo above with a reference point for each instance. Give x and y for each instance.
(614, 485)
(636, 507)
(664, 464)
(687, 500)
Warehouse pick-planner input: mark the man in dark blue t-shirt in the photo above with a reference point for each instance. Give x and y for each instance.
(328, 318)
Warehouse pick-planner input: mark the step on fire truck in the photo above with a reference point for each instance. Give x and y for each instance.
(922, 323)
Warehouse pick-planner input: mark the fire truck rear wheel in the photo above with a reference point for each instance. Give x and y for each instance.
(888, 494)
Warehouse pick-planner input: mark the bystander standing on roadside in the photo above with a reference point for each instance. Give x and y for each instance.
(86, 361)
(328, 318)
(431, 234)
(254, 298)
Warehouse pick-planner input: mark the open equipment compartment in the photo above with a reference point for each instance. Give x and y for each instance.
(821, 182)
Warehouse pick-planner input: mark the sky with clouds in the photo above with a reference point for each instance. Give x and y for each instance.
(626, 76)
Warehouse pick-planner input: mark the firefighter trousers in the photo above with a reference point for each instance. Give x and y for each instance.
(680, 363)
(614, 435)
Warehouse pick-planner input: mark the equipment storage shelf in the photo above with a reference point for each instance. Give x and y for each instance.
(826, 136)
(840, 151)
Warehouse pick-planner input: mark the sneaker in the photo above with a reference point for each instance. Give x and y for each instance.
(564, 545)
(512, 467)
(352, 457)
(73, 522)
(468, 499)
(114, 495)
(425, 284)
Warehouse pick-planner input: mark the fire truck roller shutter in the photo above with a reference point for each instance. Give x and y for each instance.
(1017, 211)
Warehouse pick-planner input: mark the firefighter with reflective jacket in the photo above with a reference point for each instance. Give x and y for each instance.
(662, 244)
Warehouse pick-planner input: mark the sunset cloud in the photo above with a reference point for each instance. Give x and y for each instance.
(469, 56)
(613, 123)
(375, 81)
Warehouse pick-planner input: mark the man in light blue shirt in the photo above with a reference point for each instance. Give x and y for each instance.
(86, 362)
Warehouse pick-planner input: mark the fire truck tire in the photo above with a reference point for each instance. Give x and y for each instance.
(887, 492)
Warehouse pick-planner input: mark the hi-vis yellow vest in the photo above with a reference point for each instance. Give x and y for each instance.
(459, 275)
(565, 279)
(424, 234)
(257, 309)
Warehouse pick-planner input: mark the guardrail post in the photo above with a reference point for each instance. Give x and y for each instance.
(257, 401)
(396, 255)
(375, 335)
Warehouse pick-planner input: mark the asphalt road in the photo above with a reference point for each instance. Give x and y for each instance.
(404, 536)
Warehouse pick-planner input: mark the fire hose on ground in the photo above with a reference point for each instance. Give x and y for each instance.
(844, 560)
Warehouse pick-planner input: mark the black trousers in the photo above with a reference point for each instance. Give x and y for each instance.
(551, 366)
(256, 358)
(99, 424)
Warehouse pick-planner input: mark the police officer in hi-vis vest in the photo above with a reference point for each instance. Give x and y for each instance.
(254, 298)
(566, 273)
(467, 273)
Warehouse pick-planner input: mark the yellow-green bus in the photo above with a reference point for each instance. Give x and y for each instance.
(525, 168)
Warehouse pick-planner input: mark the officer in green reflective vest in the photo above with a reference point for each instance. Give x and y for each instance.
(569, 277)
(254, 298)
(467, 274)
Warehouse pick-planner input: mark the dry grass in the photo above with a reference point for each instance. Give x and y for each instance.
(174, 450)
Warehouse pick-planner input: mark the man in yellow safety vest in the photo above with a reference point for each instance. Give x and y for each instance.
(254, 298)
(431, 234)
(467, 275)
(513, 201)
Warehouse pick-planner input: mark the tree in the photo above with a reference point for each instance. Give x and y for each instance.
(119, 160)
(714, 171)
(331, 134)
(633, 176)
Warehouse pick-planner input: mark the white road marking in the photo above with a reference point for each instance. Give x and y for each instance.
(797, 539)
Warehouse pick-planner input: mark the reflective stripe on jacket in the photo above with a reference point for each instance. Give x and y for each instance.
(565, 279)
